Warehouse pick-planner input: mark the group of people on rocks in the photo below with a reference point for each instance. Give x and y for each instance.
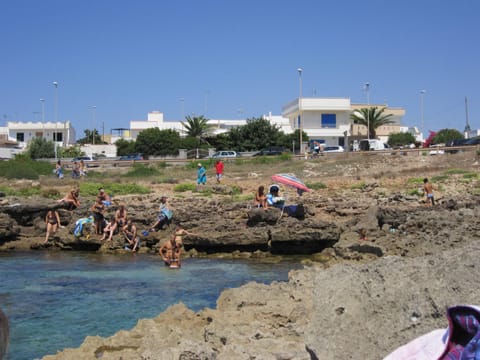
(170, 251)
(273, 199)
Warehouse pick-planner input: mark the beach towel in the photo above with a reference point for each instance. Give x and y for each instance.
(80, 223)
(460, 341)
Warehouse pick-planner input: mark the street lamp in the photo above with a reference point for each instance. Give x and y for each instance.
(56, 100)
(43, 109)
(367, 90)
(422, 94)
(182, 107)
(55, 135)
(94, 124)
(300, 107)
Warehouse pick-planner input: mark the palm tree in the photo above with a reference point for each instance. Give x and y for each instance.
(197, 127)
(372, 118)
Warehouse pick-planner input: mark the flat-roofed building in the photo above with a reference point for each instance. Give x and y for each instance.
(61, 133)
(327, 120)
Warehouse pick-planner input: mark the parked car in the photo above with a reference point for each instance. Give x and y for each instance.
(436, 149)
(473, 141)
(87, 160)
(330, 149)
(371, 145)
(131, 157)
(224, 154)
(456, 143)
(271, 150)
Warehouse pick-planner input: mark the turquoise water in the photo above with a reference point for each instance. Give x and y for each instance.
(54, 300)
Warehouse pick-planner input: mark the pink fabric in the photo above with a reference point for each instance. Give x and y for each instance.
(426, 347)
(430, 346)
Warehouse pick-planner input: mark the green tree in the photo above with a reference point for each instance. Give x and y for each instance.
(90, 136)
(220, 142)
(372, 118)
(256, 134)
(154, 141)
(40, 148)
(125, 147)
(400, 139)
(446, 135)
(69, 152)
(197, 127)
(288, 140)
(190, 142)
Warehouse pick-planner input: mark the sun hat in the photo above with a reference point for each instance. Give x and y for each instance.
(199, 164)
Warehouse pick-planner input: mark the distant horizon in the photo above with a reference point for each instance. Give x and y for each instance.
(112, 62)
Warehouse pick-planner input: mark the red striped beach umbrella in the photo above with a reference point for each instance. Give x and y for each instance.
(290, 180)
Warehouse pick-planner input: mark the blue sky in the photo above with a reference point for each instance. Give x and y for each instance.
(235, 59)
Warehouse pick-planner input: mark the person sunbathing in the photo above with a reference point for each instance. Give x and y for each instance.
(71, 199)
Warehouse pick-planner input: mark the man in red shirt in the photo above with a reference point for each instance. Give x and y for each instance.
(219, 170)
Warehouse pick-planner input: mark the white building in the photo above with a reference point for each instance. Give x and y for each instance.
(327, 120)
(155, 119)
(61, 133)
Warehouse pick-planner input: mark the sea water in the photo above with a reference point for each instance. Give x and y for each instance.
(55, 299)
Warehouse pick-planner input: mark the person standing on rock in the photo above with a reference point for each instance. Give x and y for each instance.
(201, 175)
(428, 189)
(98, 209)
(219, 170)
(52, 220)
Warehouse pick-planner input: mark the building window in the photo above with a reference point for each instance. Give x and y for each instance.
(57, 136)
(20, 137)
(329, 120)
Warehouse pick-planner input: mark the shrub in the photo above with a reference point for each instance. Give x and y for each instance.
(236, 190)
(24, 191)
(418, 180)
(142, 171)
(455, 171)
(358, 186)
(415, 192)
(439, 178)
(184, 187)
(316, 186)
(24, 168)
(89, 188)
(470, 175)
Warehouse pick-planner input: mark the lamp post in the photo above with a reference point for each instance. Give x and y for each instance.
(94, 124)
(55, 135)
(182, 108)
(367, 91)
(422, 94)
(300, 107)
(43, 109)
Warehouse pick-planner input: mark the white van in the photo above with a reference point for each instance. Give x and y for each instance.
(372, 144)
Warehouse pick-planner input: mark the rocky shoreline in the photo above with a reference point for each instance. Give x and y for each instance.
(355, 299)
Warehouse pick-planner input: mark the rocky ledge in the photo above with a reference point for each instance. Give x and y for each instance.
(357, 298)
